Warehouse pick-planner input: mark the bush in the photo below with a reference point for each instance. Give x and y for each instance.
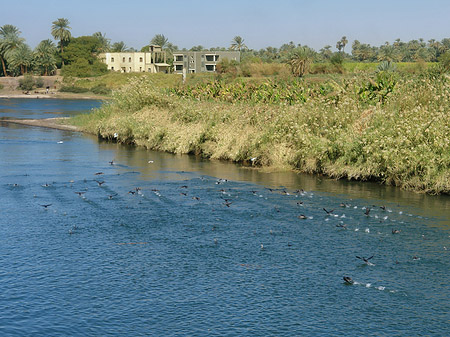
(39, 82)
(444, 61)
(77, 90)
(101, 89)
(26, 83)
(1, 86)
(82, 68)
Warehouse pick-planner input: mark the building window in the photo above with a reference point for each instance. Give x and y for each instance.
(112, 59)
(140, 59)
(179, 58)
(210, 67)
(210, 58)
(123, 59)
(112, 68)
(178, 67)
(216, 58)
(129, 59)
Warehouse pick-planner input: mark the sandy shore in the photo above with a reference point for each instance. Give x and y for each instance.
(52, 123)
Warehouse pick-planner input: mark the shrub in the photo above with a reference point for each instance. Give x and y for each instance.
(1, 86)
(39, 82)
(73, 89)
(101, 89)
(444, 61)
(82, 68)
(26, 83)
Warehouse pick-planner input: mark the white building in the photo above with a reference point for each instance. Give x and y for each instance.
(153, 61)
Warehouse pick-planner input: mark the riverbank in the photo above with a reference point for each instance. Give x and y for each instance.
(60, 123)
(357, 130)
(51, 95)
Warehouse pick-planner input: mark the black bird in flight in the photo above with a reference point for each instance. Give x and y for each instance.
(366, 260)
(46, 205)
(328, 212)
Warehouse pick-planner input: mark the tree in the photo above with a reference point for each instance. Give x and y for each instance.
(118, 47)
(60, 31)
(340, 45)
(44, 57)
(103, 42)
(160, 40)
(197, 48)
(238, 44)
(82, 57)
(299, 60)
(9, 41)
(326, 52)
(21, 57)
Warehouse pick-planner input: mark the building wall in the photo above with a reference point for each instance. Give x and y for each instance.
(129, 62)
(204, 61)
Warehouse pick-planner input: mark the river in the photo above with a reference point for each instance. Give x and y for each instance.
(98, 238)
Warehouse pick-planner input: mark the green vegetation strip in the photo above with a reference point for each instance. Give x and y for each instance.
(384, 127)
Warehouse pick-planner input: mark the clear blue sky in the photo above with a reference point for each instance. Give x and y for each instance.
(212, 23)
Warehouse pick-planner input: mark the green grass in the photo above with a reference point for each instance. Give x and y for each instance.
(359, 130)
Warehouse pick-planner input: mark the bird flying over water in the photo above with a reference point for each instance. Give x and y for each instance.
(366, 260)
(328, 212)
(46, 205)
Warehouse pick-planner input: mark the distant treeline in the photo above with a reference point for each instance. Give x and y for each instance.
(77, 56)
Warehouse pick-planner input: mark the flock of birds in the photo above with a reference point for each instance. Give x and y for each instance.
(228, 201)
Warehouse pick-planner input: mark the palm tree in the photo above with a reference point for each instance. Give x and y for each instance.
(299, 59)
(104, 42)
(9, 40)
(60, 31)
(340, 45)
(238, 44)
(160, 40)
(118, 47)
(21, 57)
(44, 56)
(344, 42)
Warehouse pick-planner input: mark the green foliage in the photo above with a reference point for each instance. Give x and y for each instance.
(83, 47)
(81, 56)
(225, 66)
(118, 47)
(273, 92)
(300, 59)
(444, 61)
(39, 82)
(403, 142)
(1, 86)
(73, 89)
(44, 57)
(378, 89)
(26, 83)
(159, 40)
(337, 59)
(386, 66)
(101, 89)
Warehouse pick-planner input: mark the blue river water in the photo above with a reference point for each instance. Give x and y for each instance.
(101, 239)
